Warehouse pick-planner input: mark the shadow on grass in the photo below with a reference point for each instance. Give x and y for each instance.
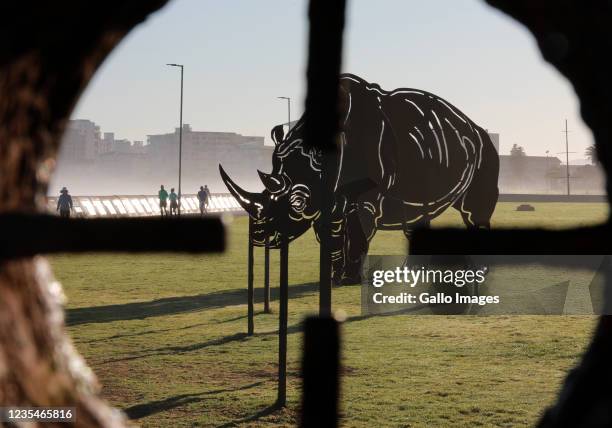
(173, 350)
(292, 329)
(143, 333)
(262, 413)
(170, 350)
(147, 409)
(175, 305)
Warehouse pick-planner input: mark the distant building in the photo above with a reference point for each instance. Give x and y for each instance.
(127, 147)
(527, 174)
(203, 151)
(81, 141)
(91, 164)
(584, 179)
(546, 174)
(107, 143)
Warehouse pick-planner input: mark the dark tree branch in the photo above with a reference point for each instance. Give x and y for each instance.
(48, 53)
(576, 37)
(322, 119)
(586, 240)
(28, 235)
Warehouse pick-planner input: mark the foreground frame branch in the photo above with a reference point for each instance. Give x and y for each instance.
(584, 240)
(48, 54)
(322, 121)
(30, 235)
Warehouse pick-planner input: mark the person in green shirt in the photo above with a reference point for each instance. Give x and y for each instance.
(163, 196)
(203, 198)
(173, 202)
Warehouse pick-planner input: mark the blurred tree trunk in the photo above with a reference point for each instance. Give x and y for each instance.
(575, 36)
(48, 53)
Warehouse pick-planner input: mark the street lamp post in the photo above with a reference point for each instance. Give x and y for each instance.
(288, 112)
(283, 304)
(180, 138)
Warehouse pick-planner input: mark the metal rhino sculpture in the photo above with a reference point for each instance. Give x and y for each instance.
(403, 158)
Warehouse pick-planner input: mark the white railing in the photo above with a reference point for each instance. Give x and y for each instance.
(143, 205)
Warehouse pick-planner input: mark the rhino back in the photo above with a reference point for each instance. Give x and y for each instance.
(438, 146)
(415, 146)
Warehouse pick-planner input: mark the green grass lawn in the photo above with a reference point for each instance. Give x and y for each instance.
(166, 335)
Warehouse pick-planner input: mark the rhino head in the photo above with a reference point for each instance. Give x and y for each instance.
(289, 202)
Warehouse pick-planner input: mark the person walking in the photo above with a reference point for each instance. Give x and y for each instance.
(64, 203)
(163, 196)
(207, 196)
(173, 202)
(203, 198)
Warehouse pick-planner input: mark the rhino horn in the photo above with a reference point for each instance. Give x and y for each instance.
(273, 183)
(253, 203)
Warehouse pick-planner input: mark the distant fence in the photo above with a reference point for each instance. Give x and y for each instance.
(143, 205)
(148, 205)
(526, 197)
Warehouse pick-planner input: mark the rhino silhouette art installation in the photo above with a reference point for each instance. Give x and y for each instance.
(403, 158)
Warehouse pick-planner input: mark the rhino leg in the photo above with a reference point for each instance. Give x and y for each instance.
(478, 203)
(476, 209)
(336, 243)
(408, 228)
(360, 228)
(337, 250)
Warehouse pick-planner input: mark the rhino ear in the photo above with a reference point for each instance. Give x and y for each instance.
(277, 134)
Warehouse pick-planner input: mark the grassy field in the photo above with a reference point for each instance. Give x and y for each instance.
(166, 336)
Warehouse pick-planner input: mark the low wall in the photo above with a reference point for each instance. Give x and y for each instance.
(143, 205)
(148, 205)
(526, 197)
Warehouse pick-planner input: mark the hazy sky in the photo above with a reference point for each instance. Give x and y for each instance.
(239, 55)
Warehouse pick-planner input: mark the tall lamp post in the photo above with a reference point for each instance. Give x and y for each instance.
(180, 138)
(288, 111)
(283, 301)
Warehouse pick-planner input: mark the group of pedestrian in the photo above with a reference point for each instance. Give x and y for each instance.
(203, 197)
(163, 201)
(64, 202)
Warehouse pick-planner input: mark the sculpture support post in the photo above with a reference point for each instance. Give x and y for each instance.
(282, 320)
(320, 372)
(325, 263)
(267, 276)
(250, 293)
